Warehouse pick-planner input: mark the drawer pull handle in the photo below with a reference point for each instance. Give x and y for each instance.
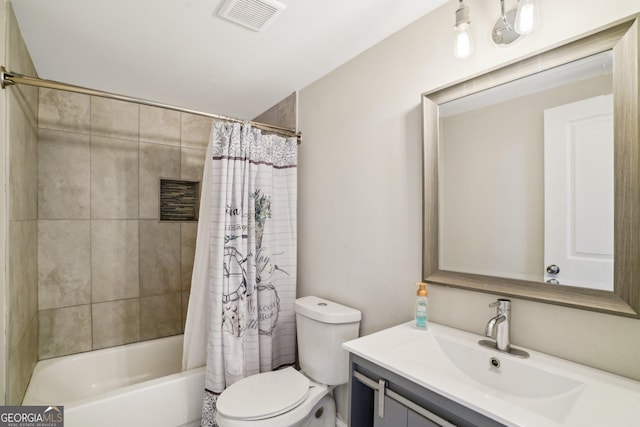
(381, 387)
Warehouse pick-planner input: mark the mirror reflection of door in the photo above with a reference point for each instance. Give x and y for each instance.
(578, 188)
(491, 191)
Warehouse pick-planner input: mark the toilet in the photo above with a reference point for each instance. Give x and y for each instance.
(288, 397)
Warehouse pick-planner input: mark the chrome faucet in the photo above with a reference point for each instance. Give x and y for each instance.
(498, 326)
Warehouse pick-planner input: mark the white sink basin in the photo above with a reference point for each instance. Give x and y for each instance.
(511, 376)
(532, 387)
(537, 391)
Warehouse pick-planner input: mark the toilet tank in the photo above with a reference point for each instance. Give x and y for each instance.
(322, 326)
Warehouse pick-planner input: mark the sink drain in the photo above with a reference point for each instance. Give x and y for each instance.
(494, 362)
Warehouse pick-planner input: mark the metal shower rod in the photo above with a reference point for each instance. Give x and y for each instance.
(9, 78)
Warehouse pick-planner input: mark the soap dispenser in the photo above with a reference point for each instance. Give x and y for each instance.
(421, 306)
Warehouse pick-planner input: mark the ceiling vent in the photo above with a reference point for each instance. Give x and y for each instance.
(253, 14)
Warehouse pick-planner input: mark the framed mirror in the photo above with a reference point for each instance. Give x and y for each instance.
(532, 177)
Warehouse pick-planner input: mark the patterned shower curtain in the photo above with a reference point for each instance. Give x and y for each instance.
(241, 317)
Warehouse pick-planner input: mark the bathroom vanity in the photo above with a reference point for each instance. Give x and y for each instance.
(382, 398)
(403, 376)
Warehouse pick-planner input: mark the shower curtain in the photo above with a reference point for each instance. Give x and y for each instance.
(241, 317)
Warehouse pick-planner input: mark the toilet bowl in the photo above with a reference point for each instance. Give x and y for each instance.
(276, 399)
(288, 397)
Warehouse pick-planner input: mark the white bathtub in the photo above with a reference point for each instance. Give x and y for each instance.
(137, 384)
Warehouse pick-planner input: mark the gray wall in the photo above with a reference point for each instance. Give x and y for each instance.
(283, 114)
(109, 272)
(22, 164)
(360, 191)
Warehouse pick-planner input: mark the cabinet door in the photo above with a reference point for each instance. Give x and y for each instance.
(395, 414)
(416, 420)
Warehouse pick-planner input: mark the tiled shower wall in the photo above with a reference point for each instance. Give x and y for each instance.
(22, 152)
(109, 272)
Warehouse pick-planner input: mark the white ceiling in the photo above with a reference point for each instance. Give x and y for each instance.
(180, 52)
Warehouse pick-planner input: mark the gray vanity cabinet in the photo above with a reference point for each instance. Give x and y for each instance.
(398, 415)
(404, 403)
(416, 420)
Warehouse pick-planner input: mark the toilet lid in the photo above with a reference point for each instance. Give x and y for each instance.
(264, 395)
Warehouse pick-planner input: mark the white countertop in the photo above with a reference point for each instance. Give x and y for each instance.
(600, 399)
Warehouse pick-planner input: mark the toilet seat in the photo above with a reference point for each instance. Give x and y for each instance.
(264, 395)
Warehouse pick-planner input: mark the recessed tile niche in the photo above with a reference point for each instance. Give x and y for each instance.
(178, 200)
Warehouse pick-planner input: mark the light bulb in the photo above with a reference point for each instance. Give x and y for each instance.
(527, 16)
(463, 43)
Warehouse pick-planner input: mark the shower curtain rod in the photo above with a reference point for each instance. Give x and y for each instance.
(9, 78)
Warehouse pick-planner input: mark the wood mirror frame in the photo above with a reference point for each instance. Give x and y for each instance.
(623, 40)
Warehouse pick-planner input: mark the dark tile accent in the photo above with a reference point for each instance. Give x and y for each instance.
(179, 200)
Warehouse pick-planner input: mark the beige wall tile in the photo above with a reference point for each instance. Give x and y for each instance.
(116, 323)
(114, 260)
(5, 13)
(63, 175)
(192, 164)
(111, 178)
(22, 137)
(22, 360)
(185, 307)
(159, 125)
(64, 263)
(188, 234)
(19, 202)
(63, 110)
(23, 277)
(160, 315)
(116, 119)
(159, 257)
(114, 178)
(64, 331)
(27, 98)
(196, 131)
(156, 161)
(23, 160)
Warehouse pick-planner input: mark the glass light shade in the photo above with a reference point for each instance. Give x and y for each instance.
(527, 16)
(463, 43)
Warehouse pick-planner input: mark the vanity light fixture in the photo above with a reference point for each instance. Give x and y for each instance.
(463, 43)
(516, 22)
(527, 16)
(511, 25)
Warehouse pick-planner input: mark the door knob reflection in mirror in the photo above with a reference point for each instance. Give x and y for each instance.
(553, 269)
